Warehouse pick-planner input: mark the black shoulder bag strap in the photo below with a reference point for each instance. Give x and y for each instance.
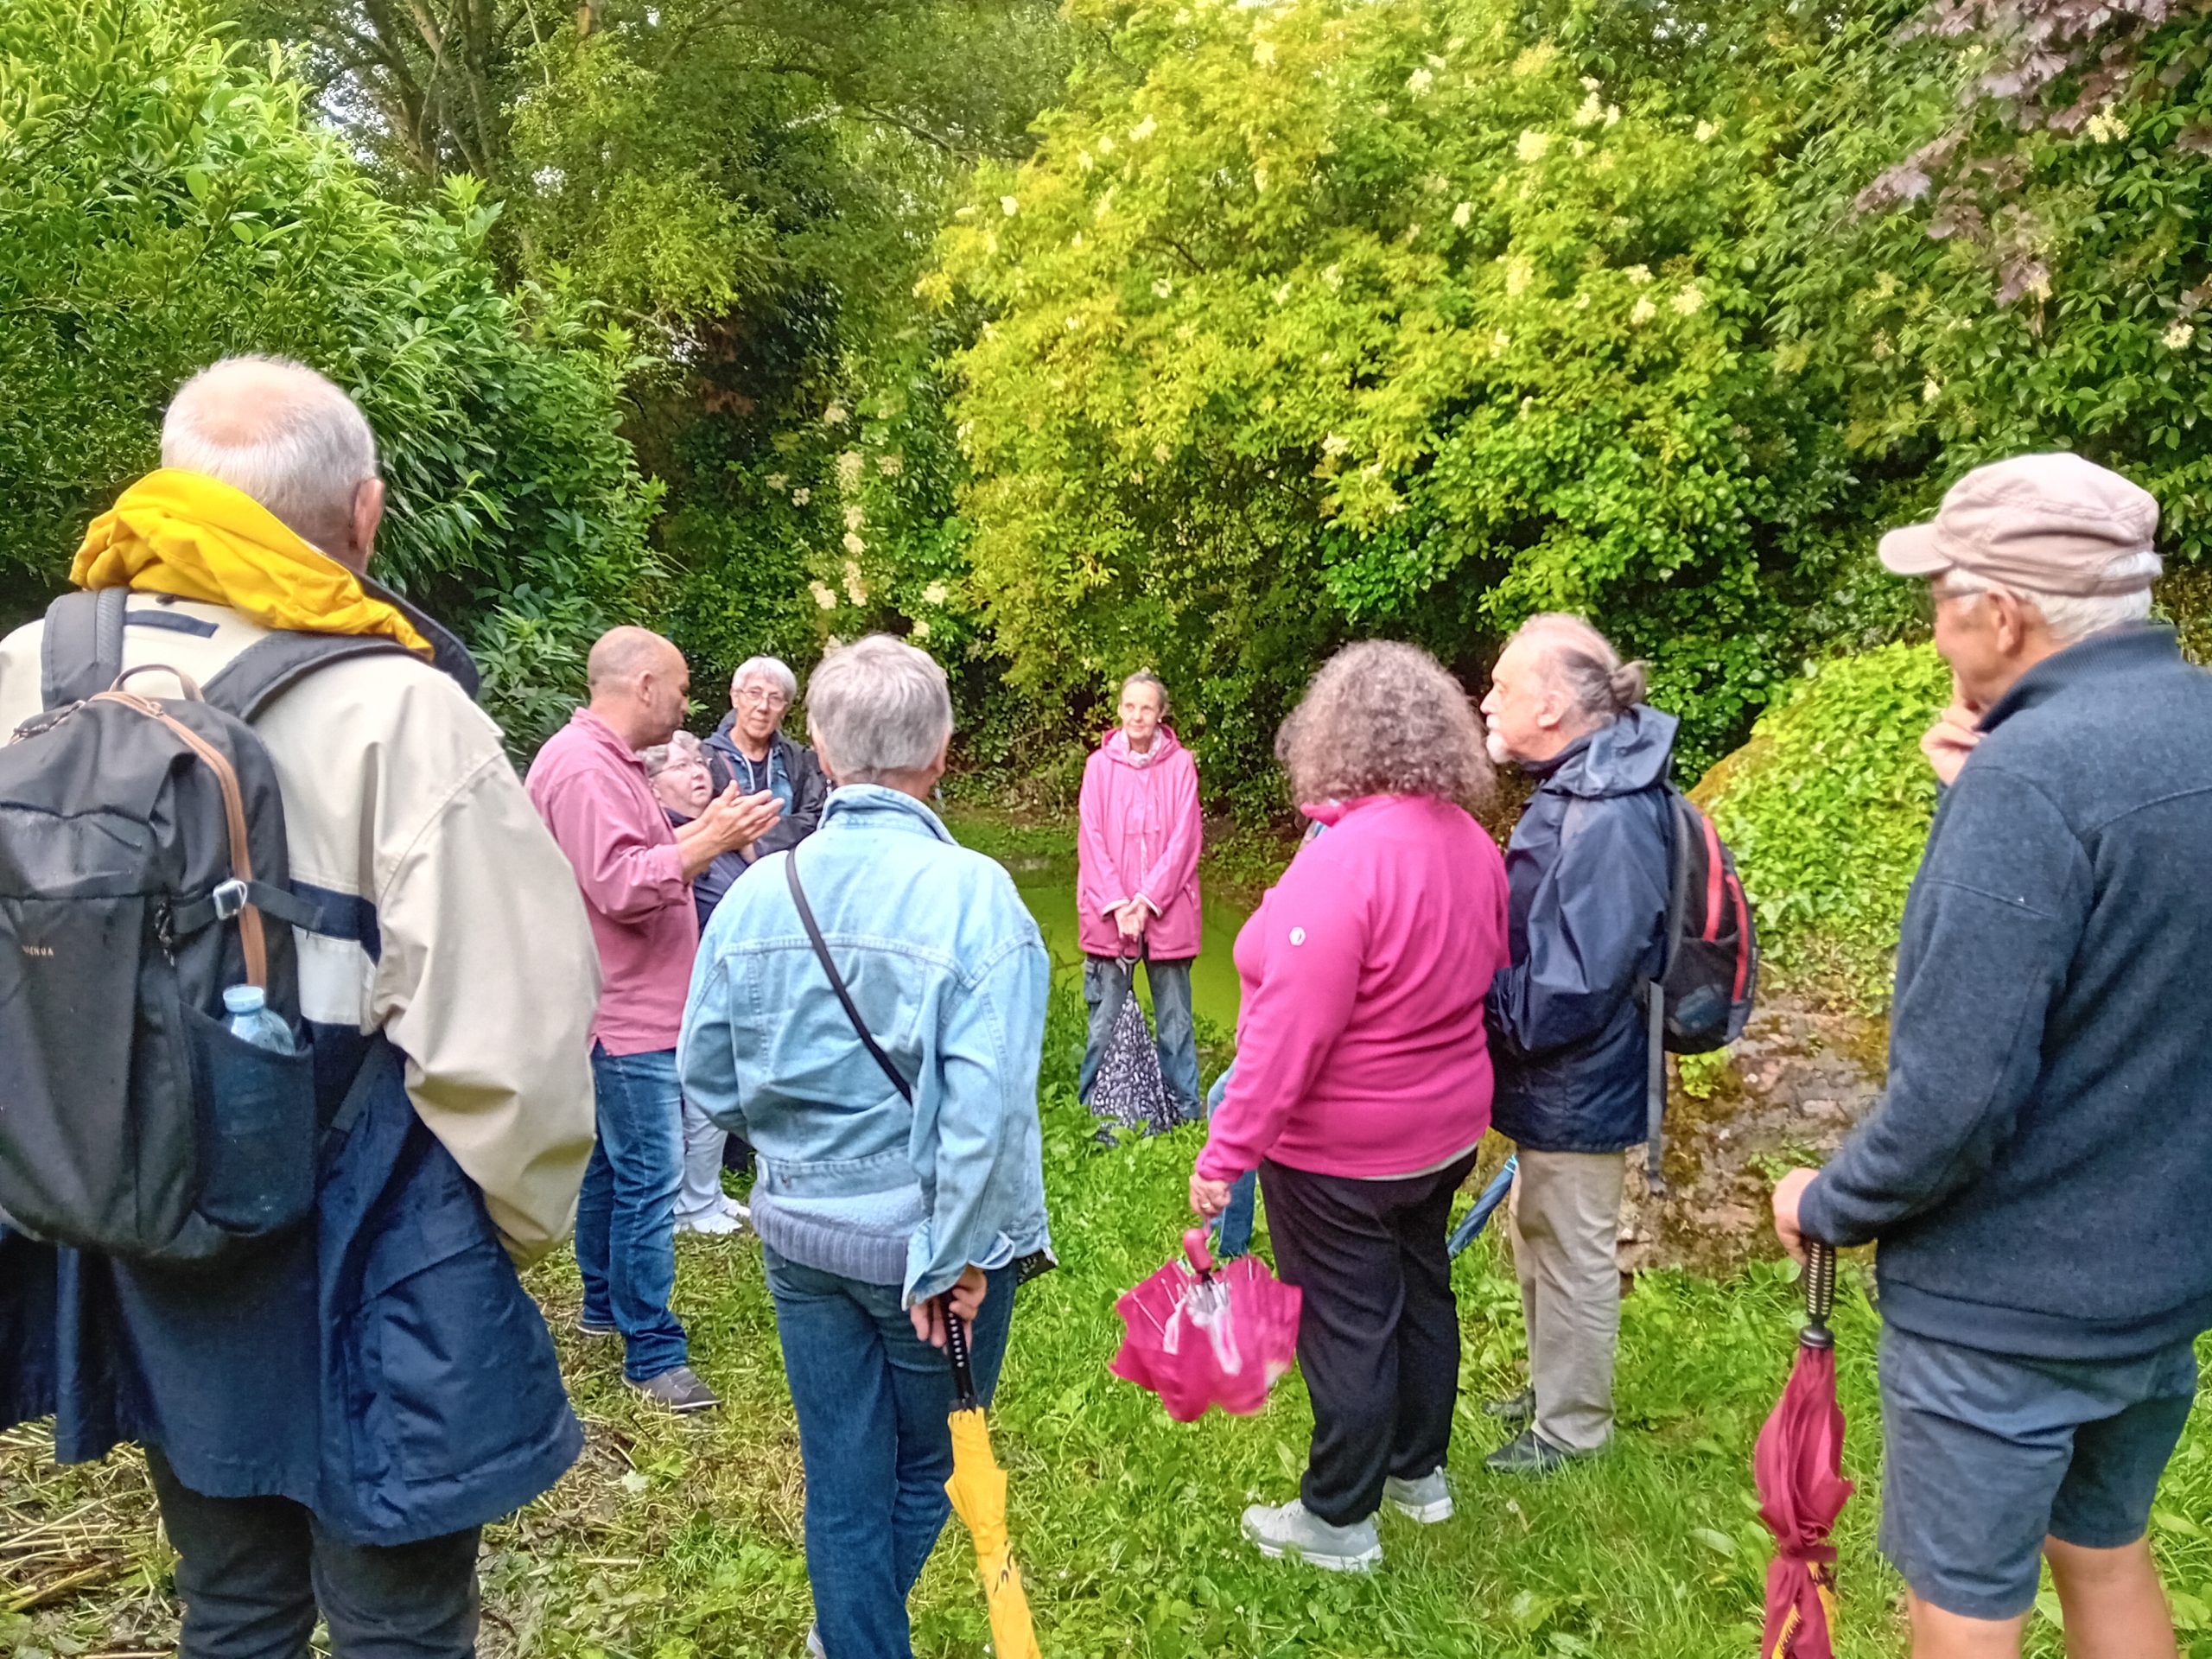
(80, 652)
(1654, 990)
(837, 980)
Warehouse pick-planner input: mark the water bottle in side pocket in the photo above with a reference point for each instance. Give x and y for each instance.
(252, 1020)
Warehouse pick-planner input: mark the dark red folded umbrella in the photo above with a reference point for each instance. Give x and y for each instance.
(1799, 1466)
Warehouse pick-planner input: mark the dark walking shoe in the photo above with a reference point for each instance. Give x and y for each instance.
(1529, 1453)
(1514, 1410)
(679, 1390)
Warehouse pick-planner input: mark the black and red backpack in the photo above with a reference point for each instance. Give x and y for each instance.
(1710, 974)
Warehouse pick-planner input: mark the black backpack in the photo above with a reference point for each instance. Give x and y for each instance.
(1704, 994)
(143, 870)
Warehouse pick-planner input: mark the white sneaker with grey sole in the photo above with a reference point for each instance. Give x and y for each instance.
(1291, 1529)
(1427, 1500)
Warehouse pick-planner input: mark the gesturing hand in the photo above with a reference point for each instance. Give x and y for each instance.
(737, 820)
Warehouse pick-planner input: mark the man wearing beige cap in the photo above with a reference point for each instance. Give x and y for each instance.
(2035, 1173)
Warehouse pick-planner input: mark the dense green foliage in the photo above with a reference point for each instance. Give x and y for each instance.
(165, 199)
(1826, 810)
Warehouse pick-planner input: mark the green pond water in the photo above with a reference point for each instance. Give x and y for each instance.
(1047, 881)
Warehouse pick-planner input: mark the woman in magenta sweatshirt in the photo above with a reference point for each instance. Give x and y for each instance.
(1137, 884)
(1363, 1081)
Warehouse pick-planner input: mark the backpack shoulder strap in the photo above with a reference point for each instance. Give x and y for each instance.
(271, 666)
(837, 980)
(80, 654)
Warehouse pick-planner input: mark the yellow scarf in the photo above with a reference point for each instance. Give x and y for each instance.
(187, 534)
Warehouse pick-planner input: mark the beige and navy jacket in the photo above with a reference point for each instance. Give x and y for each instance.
(470, 950)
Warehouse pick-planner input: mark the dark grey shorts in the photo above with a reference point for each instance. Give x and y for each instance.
(1985, 1455)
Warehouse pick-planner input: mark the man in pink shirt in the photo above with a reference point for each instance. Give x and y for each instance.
(589, 784)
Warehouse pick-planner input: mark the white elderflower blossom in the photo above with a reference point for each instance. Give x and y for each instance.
(1260, 178)
(1160, 452)
(1500, 343)
(1009, 206)
(834, 416)
(1333, 277)
(1420, 82)
(854, 517)
(1143, 130)
(1638, 275)
(1282, 295)
(824, 594)
(856, 589)
(1433, 61)
(1085, 159)
(1073, 324)
(1705, 131)
(1162, 289)
(855, 546)
(1689, 302)
(1642, 311)
(1462, 215)
(1589, 83)
(890, 465)
(1532, 145)
(1518, 274)
(1335, 444)
(1436, 184)
(1106, 144)
(921, 630)
(801, 496)
(850, 471)
(935, 594)
(1930, 390)
(1591, 112)
(778, 482)
(2179, 335)
(2105, 127)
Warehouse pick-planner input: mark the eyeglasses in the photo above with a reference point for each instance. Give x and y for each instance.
(762, 697)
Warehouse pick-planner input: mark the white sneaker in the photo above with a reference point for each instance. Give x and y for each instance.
(720, 1223)
(732, 1207)
(1290, 1529)
(814, 1648)
(1427, 1500)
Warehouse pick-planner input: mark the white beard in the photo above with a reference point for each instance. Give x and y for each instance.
(1499, 755)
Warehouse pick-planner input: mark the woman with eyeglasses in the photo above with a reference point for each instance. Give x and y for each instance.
(677, 769)
(749, 748)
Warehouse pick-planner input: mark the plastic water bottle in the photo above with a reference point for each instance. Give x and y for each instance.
(253, 1021)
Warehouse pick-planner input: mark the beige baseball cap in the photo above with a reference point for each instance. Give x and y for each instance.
(2051, 524)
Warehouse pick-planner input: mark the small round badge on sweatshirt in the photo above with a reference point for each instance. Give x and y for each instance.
(1298, 935)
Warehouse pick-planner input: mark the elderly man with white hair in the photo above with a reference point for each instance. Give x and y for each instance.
(1587, 869)
(750, 749)
(2034, 1175)
(868, 1010)
(331, 1418)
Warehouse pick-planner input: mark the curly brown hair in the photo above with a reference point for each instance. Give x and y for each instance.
(1383, 718)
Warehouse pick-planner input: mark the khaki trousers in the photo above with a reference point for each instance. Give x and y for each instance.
(1565, 1210)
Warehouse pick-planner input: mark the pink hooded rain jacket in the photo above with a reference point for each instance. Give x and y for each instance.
(1138, 831)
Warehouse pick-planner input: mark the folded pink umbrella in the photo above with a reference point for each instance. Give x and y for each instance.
(1199, 1337)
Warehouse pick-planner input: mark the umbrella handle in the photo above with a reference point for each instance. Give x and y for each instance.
(955, 1349)
(1820, 1294)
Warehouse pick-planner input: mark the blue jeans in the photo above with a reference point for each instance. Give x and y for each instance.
(1232, 1227)
(1104, 985)
(625, 1218)
(872, 1399)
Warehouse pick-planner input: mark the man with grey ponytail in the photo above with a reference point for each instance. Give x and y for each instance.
(1588, 874)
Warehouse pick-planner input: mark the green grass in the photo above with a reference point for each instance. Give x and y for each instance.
(680, 1538)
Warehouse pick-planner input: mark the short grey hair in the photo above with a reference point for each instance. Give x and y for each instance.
(1582, 663)
(2072, 618)
(683, 747)
(772, 669)
(1145, 676)
(878, 706)
(279, 432)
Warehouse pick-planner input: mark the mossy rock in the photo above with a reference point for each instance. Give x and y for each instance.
(1827, 808)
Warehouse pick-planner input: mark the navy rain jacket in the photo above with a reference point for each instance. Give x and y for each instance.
(1587, 868)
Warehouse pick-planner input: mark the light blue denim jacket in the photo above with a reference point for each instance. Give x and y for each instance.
(948, 970)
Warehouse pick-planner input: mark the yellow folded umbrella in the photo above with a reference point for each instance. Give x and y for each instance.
(977, 1490)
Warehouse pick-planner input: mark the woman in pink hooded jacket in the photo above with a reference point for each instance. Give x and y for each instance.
(1137, 884)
